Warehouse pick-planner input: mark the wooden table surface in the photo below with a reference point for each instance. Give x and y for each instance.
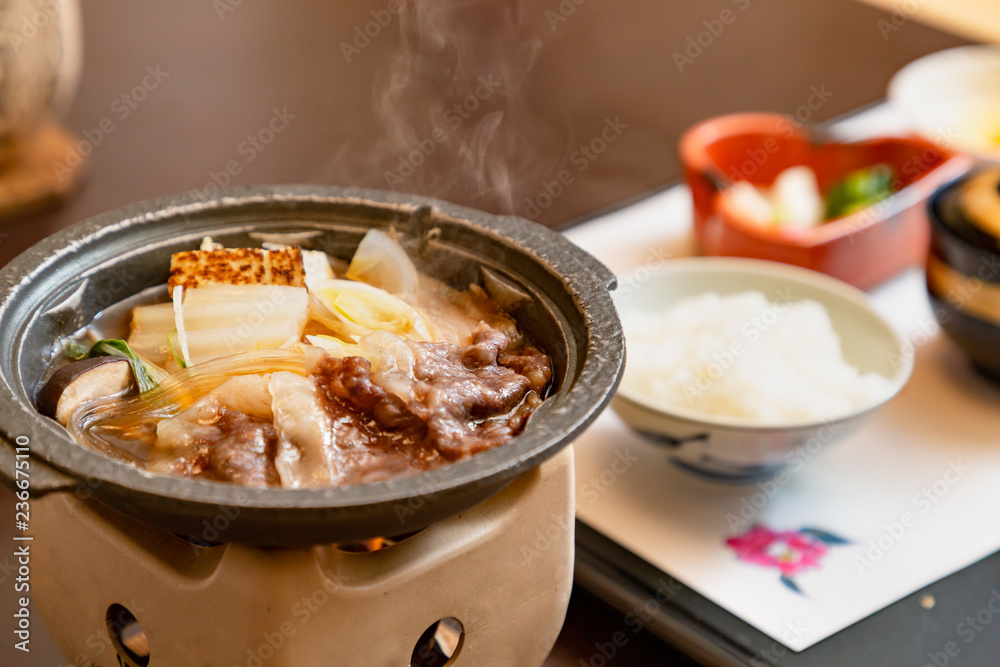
(228, 68)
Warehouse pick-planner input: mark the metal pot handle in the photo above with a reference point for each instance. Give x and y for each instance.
(43, 478)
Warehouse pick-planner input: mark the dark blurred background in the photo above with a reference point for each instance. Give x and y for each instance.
(228, 69)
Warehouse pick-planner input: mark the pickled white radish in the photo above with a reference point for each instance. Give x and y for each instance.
(797, 199)
(793, 201)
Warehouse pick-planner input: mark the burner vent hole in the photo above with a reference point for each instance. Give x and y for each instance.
(439, 645)
(127, 636)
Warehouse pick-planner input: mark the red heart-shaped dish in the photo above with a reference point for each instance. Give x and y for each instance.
(862, 248)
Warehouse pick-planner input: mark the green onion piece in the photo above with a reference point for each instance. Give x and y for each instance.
(859, 189)
(177, 357)
(74, 350)
(145, 377)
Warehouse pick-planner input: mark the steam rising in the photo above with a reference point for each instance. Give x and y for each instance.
(450, 105)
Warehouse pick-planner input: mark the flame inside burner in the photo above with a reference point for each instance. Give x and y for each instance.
(376, 544)
(365, 546)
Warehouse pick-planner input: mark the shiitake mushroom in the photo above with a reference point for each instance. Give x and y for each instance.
(80, 381)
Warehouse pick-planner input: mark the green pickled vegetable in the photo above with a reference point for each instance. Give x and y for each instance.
(859, 189)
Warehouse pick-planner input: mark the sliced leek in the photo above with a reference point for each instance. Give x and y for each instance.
(147, 375)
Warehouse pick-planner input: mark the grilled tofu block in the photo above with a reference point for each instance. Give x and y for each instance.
(236, 266)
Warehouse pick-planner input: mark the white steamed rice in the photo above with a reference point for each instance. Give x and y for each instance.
(743, 356)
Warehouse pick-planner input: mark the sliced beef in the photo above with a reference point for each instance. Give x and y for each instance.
(338, 425)
(530, 362)
(215, 442)
(463, 400)
(245, 454)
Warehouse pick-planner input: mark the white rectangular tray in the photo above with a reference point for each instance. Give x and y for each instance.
(914, 491)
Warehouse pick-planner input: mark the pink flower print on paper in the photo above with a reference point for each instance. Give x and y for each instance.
(789, 551)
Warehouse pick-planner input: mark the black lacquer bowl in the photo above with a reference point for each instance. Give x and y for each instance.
(963, 279)
(558, 294)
